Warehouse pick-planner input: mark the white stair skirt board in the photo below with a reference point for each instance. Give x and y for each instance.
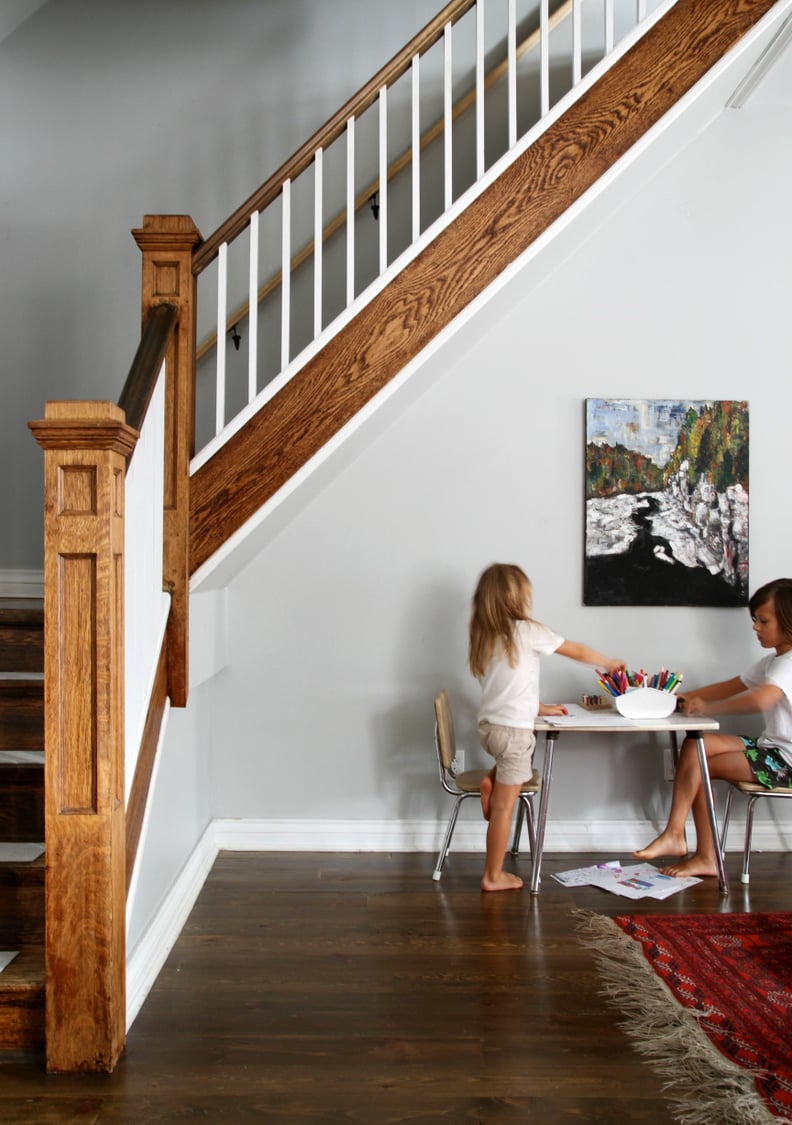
(20, 852)
(6, 959)
(608, 838)
(150, 954)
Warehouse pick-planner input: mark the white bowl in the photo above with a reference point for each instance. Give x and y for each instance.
(646, 703)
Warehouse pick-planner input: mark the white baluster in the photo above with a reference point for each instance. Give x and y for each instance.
(512, 73)
(577, 42)
(318, 240)
(416, 147)
(544, 58)
(285, 273)
(609, 26)
(479, 89)
(253, 306)
(383, 179)
(448, 114)
(350, 207)
(222, 316)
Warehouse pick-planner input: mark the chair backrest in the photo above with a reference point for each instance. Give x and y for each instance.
(444, 730)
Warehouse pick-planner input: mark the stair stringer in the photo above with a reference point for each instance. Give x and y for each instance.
(627, 127)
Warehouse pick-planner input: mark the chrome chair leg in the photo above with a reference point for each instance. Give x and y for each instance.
(726, 815)
(518, 826)
(438, 871)
(749, 815)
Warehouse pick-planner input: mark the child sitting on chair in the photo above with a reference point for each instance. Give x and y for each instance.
(767, 687)
(505, 645)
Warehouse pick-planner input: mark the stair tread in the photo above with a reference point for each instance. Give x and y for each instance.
(21, 757)
(21, 854)
(25, 972)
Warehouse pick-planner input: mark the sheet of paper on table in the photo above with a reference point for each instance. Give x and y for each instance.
(639, 880)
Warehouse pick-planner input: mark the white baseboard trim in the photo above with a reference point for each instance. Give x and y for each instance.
(145, 961)
(611, 838)
(21, 583)
(606, 839)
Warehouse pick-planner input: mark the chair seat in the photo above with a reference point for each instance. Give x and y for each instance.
(470, 781)
(753, 791)
(755, 787)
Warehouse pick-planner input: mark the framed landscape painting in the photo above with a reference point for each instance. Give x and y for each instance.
(666, 502)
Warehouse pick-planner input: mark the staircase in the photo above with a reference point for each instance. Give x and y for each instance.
(252, 459)
(21, 823)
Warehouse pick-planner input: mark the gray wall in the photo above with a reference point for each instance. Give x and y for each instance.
(355, 614)
(109, 111)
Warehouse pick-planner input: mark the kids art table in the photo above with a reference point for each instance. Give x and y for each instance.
(582, 721)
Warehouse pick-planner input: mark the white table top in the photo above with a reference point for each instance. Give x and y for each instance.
(582, 720)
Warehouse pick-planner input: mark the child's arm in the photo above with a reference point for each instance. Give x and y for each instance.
(737, 701)
(552, 709)
(587, 655)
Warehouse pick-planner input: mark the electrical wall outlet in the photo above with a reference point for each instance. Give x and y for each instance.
(668, 764)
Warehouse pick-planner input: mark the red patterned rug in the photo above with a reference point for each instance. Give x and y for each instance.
(708, 1000)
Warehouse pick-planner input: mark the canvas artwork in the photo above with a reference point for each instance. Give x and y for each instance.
(666, 502)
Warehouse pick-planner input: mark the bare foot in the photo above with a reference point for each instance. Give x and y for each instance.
(667, 843)
(486, 795)
(695, 865)
(503, 882)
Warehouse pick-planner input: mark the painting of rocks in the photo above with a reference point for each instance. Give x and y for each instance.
(666, 502)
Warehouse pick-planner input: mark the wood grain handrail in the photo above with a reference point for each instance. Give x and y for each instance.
(398, 165)
(143, 374)
(329, 132)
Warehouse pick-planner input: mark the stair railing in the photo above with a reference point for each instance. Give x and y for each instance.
(472, 56)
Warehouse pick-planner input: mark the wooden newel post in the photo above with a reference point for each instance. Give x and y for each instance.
(85, 445)
(167, 243)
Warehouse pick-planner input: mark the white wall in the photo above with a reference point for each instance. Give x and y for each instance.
(355, 614)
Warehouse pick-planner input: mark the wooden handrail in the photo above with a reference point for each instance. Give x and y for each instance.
(143, 374)
(398, 165)
(329, 132)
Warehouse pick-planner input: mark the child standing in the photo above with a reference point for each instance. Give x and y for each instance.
(767, 687)
(505, 645)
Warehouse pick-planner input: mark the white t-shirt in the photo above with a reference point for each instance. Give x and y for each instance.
(777, 670)
(510, 696)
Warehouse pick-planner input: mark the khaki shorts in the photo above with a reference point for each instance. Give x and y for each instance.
(512, 748)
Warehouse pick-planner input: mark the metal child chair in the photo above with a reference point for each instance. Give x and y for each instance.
(753, 791)
(468, 784)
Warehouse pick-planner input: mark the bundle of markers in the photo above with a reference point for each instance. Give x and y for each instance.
(617, 683)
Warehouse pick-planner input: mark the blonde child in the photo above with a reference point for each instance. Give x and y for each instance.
(767, 687)
(504, 650)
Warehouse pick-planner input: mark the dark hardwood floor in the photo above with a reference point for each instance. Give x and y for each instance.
(353, 988)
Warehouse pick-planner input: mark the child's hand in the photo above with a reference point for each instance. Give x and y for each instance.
(692, 705)
(615, 666)
(552, 709)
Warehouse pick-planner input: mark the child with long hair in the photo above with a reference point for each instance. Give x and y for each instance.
(765, 687)
(504, 650)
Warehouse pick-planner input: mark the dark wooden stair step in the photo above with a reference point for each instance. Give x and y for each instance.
(22, 1001)
(21, 903)
(21, 712)
(21, 635)
(22, 796)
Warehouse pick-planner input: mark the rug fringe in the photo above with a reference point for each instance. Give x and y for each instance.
(703, 1086)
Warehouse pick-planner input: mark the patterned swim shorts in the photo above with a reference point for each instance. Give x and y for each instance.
(767, 765)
